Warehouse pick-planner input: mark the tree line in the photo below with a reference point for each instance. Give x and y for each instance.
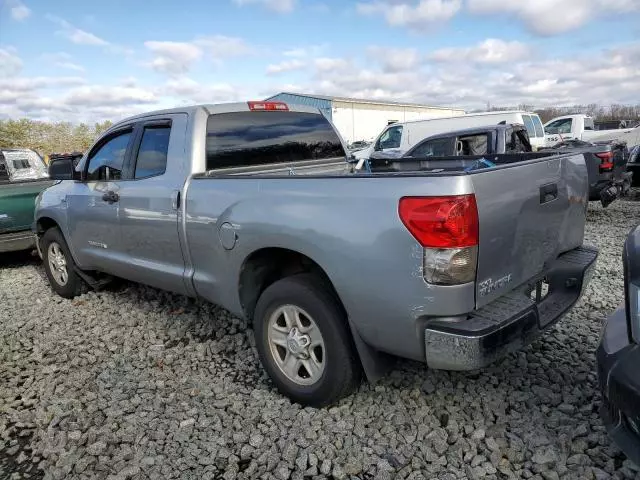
(598, 112)
(49, 137)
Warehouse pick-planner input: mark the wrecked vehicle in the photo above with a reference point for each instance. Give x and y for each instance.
(606, 166)
(633, 165)
(618, 357)
(486, 140)
(23, 175)
(253, 206)
(577, 127)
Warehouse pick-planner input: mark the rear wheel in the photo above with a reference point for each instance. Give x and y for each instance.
(304, 343)
(59, 265)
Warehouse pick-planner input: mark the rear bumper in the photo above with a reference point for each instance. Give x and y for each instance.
(619, 380)
(606, 180)
(15, 241)
(510, 322)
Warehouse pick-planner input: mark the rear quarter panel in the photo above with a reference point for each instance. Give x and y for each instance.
(348, 226)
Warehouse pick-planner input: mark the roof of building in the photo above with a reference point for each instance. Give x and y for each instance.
(362, 100)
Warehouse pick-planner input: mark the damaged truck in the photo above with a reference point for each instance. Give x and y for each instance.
(254, 206)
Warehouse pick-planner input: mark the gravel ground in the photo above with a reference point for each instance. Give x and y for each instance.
(136, 383)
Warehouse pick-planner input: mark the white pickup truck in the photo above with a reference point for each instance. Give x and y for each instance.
(576, 127)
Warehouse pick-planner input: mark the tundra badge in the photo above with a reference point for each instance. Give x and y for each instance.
(489, 285)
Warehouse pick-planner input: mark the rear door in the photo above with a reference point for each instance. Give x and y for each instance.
(529, 213)
(149, 203)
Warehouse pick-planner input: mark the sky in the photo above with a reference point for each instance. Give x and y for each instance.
(85, 61)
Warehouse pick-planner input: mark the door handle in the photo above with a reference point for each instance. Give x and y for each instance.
(110, 197)
(548, 193)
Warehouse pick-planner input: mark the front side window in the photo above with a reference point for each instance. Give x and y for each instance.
(438, 147)
(152, 154)
(559, 127)
(528, 124)
(242, 139)
(390, 138)
(537, 123)
(107, 161)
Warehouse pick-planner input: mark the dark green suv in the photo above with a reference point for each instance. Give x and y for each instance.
(23, 175)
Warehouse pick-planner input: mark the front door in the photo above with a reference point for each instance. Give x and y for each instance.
(150, 204)
(92, 205)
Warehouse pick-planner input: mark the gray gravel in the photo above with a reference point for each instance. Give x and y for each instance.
(136, 383)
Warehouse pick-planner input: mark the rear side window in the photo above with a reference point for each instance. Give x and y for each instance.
(528, 123)
(107, 161)
(438, 147)
(473, 145)
(255, 138)
(537, 123)
(152, 154)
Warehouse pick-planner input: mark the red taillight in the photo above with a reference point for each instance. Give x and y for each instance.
(441, 222)
(268, 106)
(606, 161)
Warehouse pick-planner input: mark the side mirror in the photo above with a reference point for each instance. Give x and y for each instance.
(63, 169)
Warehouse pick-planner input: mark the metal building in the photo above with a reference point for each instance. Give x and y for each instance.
(360, 119)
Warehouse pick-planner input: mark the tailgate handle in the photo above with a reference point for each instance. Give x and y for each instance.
(548, 193)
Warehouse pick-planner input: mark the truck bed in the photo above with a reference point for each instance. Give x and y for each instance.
(339, 167)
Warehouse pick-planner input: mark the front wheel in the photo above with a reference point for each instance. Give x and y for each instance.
(59, 265)
(304, 342)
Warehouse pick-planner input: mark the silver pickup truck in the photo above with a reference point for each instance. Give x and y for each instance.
(254, 206)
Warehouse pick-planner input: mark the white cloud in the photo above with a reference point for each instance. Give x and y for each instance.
(76, 35)
(10, 63)
(173, 57)
(419, 15)
(222, 46)
(62, 60)
(326, 64)
(177, 58)
(306, 52)
(599, 76)
(553, 17)
(31, 84)
(395, 59)
(189, 91)
(286, 66)
(280, 6)
(19, 11)
(490, 51)
(104, 95)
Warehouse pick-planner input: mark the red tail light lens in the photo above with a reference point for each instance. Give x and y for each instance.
(268, 106)
(441, 222)
(606, 163)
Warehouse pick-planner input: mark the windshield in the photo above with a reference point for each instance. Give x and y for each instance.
(23, 165)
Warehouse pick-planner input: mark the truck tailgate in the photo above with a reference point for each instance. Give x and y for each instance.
(529, 213)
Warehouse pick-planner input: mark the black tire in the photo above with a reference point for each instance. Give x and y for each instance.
(342, 372)
(74, 284)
